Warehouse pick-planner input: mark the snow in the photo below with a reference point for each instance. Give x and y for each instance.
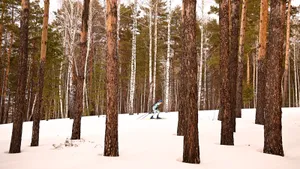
(151, 144)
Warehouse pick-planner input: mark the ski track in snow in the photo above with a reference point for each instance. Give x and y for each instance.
(151, 144)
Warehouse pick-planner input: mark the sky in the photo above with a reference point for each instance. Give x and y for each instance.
(55, 4)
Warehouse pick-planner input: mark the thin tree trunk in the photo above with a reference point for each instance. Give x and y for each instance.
(260, 110)
(272, 126)
(181, 127)
(111, 147)
(89, 37)
(80, 76)
(201, 57)
(60, 91)
(133, 61)
(287, 49)
(6, 78)
(16, 137)
(150, 60)
(226, 129)
(5, 120)
(295, 77)
(191, 152)
(239, 84)
(233, 57)
(167, 82)
(37, 113)
(155, 53)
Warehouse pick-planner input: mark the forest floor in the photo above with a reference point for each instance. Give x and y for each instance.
(151, 144)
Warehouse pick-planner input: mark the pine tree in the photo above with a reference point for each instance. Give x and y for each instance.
(16, 138)
(37, 113)
(111, 131)
(274, 60)
(287, 58)
(239, 84)
(191, 152)
(227, 127)
(233, 56)
(260, 110)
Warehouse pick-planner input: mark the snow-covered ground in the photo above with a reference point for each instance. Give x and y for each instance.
(151, 144)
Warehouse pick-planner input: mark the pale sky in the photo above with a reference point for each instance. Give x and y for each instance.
(55, 4)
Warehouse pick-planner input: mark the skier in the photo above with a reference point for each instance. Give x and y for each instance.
(155, 110)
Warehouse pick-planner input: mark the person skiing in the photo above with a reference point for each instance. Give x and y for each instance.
(155, 110)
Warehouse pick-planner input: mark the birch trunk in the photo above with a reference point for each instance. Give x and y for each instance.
(60, 91)
(287, 49)
(167, 85)
(201, 58)
(133, 61)
(239, 88)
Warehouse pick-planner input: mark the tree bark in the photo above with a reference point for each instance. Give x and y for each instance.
(239, 83)
(2, 119)
(227, 127)
(16, 137)
(150, 61)
(155, 53)
(233, 57)
(133, 61)
(272, 126)
(167, 81)
(37, 113)
(287, 49)
(191, 152)
(260, 110)
(79, 76)
(111, 147)
(295, 77)
(181, 126)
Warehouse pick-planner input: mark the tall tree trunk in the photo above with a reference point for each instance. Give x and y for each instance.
(181, 126)
(79, 76)
(287, 49)
(37, 113)
(150, 60)
(272, 126)
(111, 147)
(227, 127)
(201, 57)
(167, 82)
(5, 120)
(89, 41)
(260, 110)
(1, 34)
(295, 77)
(191, 152)
(133, 61)
(239, 83)
(16, 137)
(155, 52)
(60, 91)
(2, 119)
(233, 56)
